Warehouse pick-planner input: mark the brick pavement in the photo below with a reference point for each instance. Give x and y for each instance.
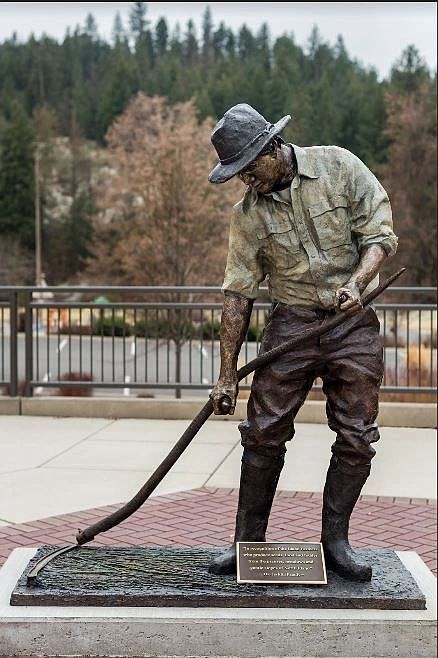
(205, 517)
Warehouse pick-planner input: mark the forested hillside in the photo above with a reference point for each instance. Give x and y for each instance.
(58, 100)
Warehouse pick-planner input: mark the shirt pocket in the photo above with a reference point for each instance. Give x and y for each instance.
(280, 242)
(331, 221)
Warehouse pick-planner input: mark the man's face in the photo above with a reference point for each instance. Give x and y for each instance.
(264, 172)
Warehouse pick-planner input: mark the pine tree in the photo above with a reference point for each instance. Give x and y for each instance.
(143, 42)
(190, 44)
(263, 48)
(220, 40)
(17, 178)
(120, 86)
(118, 31)
(207, 37)
(246, 44)
(161, 37)
(175, 42)
(137, 20)
(230, 44)
(79, 232)
(409, 72)
(91, 27)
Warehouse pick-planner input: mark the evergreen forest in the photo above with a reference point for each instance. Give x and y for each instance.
(59, 101)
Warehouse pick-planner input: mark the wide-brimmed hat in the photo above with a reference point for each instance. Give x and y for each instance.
(239, 137)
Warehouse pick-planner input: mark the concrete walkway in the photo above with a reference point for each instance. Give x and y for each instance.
(52, 466)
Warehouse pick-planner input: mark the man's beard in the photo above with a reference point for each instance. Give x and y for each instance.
(281, 186)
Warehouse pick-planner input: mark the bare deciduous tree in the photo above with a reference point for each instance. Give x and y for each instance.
(409, 175)
(161, 221)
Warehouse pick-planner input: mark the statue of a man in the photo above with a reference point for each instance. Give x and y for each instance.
(316, 223)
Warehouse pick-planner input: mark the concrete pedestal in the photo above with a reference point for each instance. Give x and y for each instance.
(215, 632)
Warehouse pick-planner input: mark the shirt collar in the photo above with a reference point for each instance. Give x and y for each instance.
(277, 197)
(304, 162)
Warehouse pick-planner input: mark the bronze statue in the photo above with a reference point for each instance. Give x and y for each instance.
(316, 224)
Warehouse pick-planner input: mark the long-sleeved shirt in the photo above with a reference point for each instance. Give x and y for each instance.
(306, 240)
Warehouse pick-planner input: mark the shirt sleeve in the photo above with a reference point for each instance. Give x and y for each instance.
(371, 210)
(244, 270)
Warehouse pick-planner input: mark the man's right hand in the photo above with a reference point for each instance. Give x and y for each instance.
(226, 387)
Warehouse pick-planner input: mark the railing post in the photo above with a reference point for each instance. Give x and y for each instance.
(28, 340)
(178, 345)
(13, 349)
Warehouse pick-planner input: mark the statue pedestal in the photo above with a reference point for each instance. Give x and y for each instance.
(169, 627)
(179, 577)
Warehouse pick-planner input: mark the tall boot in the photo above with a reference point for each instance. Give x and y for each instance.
(258, 483)
(342, 489)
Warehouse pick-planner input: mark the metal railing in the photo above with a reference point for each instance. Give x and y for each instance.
(62, 340)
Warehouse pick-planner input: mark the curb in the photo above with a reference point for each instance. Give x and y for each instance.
(391, 414)
(10, 406)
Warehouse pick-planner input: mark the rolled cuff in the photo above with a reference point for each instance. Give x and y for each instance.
(388, 243)
(244, 291)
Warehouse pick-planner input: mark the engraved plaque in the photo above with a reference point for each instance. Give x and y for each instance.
(282, 562)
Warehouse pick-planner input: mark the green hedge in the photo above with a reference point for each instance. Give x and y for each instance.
(159, 328)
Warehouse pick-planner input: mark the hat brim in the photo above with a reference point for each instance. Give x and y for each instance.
(223, 172)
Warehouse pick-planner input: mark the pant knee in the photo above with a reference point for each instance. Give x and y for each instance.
(266, 443)
(353, 445)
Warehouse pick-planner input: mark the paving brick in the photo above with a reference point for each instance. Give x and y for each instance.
(206, 516)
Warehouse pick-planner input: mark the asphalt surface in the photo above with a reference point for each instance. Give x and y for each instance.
(125, 361)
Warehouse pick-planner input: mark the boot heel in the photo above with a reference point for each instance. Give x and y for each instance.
(225, 563)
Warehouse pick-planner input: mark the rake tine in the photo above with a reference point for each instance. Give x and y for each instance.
(33, 573)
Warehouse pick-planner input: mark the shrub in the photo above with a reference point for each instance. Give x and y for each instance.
(209, 330)
(21, 387)
(254, 333)
(153, 328)
(75, 391)
(76, 330)
(108, 326)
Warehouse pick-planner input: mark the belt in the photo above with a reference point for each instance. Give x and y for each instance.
(302, 311)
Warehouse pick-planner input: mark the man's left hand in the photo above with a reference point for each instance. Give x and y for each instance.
(353, 302)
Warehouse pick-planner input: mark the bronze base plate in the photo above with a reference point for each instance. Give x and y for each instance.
(179, 577)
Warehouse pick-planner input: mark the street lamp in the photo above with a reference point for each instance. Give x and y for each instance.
(38, 273)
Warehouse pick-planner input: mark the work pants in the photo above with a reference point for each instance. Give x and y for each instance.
(348, 359)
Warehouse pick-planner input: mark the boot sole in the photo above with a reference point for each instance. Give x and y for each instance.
(221, 570)
(364, 577)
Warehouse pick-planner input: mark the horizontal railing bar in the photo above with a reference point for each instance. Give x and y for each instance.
(195, 385)
(400, 289)
(405, 307)
(121, 384)
(171, 289)
(393, 389)
(127, 305)
(199, 305)
(133, 289)
(409, 389)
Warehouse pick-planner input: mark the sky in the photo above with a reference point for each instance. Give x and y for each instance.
(375, 33)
